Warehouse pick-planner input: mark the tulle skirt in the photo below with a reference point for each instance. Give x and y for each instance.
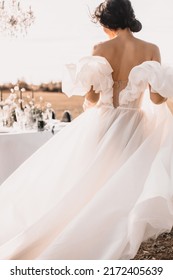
(96, 190)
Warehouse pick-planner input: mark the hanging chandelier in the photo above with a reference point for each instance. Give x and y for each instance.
(14, 19)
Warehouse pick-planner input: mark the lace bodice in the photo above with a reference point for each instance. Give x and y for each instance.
(97, 72)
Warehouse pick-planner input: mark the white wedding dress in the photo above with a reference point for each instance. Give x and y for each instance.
(101, 185)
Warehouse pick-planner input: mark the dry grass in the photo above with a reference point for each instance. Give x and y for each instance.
(61, 102)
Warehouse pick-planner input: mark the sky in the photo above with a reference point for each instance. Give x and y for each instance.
(63, 32)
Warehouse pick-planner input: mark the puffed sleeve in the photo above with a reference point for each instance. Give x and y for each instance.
(89, 71)
(159, 77)
(162, 81)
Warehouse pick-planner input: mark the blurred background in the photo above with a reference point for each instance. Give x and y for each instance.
(63, 32)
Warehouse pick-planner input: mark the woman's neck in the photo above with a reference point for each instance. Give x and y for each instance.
(121, 33)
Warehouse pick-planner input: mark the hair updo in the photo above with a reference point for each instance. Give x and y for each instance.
(115, 14)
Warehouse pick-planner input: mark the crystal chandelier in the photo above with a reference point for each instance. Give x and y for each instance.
(14, 19)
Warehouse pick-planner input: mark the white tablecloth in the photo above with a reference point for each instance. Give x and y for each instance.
(16, 147)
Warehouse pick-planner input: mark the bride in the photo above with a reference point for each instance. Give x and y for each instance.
(104, 183)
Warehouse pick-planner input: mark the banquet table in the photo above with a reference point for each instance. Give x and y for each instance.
(17, 146)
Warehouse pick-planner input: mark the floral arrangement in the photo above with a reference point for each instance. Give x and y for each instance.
(7, 110)
(23, 110)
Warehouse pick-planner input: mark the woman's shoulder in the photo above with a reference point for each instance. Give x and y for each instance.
(152, 50)
(147, 43)
(100, 48)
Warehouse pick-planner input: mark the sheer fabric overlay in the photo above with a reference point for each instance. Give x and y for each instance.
(104, 183)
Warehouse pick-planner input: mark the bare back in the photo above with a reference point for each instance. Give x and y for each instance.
(123, 53)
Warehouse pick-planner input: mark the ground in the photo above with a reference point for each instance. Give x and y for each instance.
(158, 249)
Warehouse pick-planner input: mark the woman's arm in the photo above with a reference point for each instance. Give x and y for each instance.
(155, 97)
(91, 98)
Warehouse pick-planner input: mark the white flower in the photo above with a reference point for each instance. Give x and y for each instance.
(20, 101)
(48, 105)
(16, 88)
(6, 107)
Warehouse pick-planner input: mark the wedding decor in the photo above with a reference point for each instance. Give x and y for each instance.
(14, 19)
(24, 111)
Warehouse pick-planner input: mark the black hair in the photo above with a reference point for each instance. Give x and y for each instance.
(115, 14)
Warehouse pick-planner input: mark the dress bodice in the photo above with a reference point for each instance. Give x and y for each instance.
(97, 72)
